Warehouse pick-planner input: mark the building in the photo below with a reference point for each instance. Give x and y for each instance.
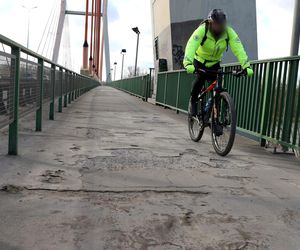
(175, 20)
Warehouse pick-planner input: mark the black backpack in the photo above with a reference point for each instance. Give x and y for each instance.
(205, 35)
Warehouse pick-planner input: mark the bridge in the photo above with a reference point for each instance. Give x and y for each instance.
(88, 164)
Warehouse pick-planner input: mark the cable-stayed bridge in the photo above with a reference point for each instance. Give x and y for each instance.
(89, 166)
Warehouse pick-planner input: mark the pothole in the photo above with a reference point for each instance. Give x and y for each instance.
(53, 177)
(12, 189)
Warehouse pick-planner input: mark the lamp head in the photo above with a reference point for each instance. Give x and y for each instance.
(136, 30)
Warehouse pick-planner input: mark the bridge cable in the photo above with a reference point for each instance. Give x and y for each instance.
(48, 37)
(52, 31)
(47, 23)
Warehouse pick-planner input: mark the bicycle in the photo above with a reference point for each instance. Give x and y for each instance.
(218, 113)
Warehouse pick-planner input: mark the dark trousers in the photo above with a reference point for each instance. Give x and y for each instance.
(201, 78)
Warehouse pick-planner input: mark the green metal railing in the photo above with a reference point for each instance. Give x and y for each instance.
(27, 85)
(268, 104)
(139, 86)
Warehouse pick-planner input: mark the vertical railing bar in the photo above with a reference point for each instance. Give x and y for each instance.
(272, 97)
(282, 99)
(266, 103)
(275, 127)
(13, 133)
(66, 89)
(245, 94)
(70, 88)
(255, 97)
(178, 91)
(240, 100)
(165, 92)
(39, 112)
(73, 87)
(290, 101)
(249, 111)
(257, 117)
(261, 101)
(61, 90)
(51, 111)
(297, 116)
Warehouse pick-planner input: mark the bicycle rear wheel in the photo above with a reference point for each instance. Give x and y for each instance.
(223, 124)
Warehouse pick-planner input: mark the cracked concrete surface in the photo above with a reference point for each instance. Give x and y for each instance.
(112, 172)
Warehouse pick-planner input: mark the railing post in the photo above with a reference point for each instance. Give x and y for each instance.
(39, 112)
(75, 86)
(60, 100)
(53, 80)
(66, 84)
(14, 126)
(165, 88)
(73, 90)
(266, 103)
(70, 88)
(178, 90)
(146, 88)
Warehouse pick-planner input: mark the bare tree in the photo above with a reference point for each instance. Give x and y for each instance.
(131, 71)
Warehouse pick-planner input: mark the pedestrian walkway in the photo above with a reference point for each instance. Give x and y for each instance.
(114, 172)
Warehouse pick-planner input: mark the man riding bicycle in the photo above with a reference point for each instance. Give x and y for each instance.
(205, 49)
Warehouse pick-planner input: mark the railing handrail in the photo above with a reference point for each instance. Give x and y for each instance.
(7, 41)
(129, 78)
(279, 59)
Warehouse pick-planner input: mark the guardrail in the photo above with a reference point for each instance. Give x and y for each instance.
(27, 85)
(138, 86)
(268, 104)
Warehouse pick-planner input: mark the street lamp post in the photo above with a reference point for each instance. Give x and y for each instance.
(296, 30)
(28, 32)
(123, 52)
(28, 23)
(115, 70)
(136, 30)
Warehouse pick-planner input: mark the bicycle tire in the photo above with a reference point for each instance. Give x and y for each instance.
(230, 143)
(196, 137)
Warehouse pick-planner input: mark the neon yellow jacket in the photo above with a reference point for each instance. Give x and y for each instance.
(212, 51)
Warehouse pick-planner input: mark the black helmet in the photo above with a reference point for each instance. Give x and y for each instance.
(218, 16)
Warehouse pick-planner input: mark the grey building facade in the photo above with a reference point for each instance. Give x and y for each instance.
(175, 20)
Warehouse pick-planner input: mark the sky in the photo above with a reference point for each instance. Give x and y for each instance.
(274, 20)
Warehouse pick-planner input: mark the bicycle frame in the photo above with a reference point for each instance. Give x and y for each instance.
(217, 83)
(217, 88)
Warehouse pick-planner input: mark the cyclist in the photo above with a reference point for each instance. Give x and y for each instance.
(205, 50)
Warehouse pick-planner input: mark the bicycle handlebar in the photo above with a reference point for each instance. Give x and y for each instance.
(220, 72)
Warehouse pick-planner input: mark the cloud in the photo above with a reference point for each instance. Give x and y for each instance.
(112, 11)
(274, 22)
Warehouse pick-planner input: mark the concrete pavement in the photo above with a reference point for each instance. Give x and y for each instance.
(113, 172)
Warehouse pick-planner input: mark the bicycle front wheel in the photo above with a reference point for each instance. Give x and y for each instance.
(223, 125)
(195, 126)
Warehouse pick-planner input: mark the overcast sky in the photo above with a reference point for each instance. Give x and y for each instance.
(274, 18)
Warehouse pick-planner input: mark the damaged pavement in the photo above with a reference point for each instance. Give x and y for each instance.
(113, 172)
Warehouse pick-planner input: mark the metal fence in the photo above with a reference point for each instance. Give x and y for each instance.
(268, 104)
(27, 85)
(139, 86)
